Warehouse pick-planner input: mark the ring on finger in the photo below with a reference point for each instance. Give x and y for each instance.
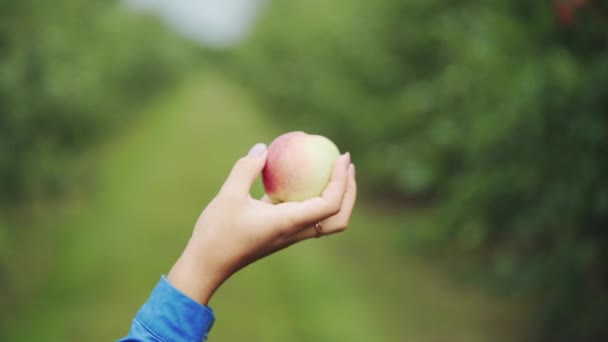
(318, 229)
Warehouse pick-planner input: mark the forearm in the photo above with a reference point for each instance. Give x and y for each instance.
(196, 274)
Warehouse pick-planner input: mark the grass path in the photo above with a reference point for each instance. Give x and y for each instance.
(156, 176)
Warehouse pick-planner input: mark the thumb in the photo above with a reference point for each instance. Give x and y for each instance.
(246, 170)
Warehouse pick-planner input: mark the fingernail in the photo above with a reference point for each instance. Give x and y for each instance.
(257, 150)
(351, 169)
(347, 156)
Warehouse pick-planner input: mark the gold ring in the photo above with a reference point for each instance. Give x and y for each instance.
(319, 229)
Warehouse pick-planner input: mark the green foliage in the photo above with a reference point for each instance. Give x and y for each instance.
(68, 72)
(497, 110)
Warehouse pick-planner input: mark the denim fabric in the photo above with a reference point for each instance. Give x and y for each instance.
(170, 316)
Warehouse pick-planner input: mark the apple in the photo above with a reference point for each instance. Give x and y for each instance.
(298, 167)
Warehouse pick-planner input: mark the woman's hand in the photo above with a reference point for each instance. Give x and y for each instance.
(236, 229)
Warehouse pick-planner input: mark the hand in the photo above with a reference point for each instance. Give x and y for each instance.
(236, 229)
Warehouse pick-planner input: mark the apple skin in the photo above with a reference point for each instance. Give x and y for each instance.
(298, 166)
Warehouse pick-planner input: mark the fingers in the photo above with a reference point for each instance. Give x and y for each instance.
(245, 171)
(338, 222)
(316, 209)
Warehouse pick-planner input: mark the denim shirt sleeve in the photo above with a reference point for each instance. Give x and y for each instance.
(170, 316)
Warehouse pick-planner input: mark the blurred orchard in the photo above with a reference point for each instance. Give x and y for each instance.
(486, 120)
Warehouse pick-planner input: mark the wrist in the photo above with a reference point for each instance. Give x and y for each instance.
(195, 274)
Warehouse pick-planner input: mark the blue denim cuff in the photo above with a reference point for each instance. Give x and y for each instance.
(170, 315)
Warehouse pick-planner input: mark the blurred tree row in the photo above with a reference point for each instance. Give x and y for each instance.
(68, 69)
(69, 72)
(496, 110)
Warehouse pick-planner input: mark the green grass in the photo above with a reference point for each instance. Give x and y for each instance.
(101, 252)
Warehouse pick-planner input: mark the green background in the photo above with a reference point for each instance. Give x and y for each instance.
(478, 129)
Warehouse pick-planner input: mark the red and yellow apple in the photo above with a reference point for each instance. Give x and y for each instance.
(298, 166)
